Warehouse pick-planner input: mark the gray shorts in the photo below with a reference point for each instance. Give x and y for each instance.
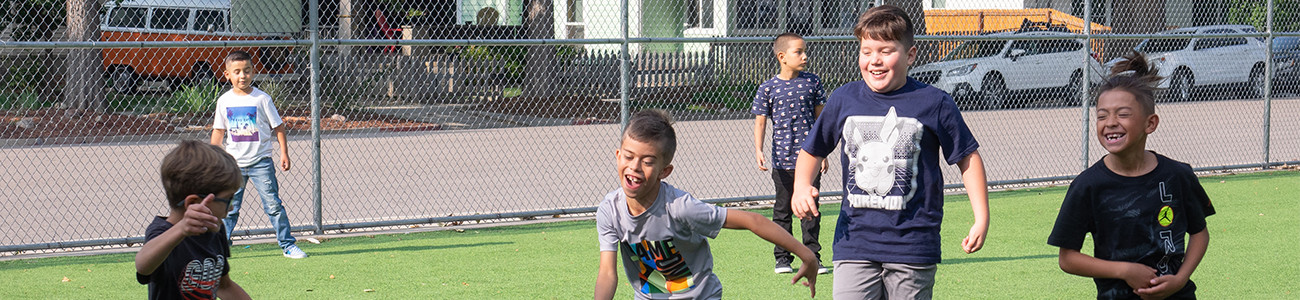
(872, 280)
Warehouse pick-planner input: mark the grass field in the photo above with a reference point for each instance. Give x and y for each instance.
(1253, 254)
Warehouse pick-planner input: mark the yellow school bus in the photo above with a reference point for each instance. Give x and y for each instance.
(196, 20)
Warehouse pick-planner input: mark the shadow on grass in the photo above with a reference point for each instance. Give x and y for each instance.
(953, 261)
(318, 253)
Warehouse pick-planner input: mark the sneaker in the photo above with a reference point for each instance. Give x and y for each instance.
(783, 267)
(293, 252)
(823, 269)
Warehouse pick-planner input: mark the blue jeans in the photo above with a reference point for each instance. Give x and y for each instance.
(263, 175)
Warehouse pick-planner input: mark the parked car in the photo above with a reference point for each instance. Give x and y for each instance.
(1286, 59)
(985, 73)
(195, 20)
(1195, 62)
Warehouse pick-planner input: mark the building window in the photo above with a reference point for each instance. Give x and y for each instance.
(574, 26)
(757, 14)
(574, 14)
(699, 14)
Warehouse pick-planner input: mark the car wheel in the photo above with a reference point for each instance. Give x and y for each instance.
(1257, 86)
(124, 80)
(201, 74)
(993, 93)
(1180, 86)
(1072, 95)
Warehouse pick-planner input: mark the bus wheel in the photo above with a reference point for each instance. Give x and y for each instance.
(124, 80)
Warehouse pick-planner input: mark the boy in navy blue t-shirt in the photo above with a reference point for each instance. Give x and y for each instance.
(792, 99)
(893, 129)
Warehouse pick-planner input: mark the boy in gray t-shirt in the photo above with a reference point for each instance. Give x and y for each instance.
(661, 231)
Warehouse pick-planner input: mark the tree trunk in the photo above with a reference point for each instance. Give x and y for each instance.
(83, 88)
(539, 23)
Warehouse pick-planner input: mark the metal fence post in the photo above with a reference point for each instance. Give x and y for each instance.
(314, 16)
(624, 68)
(1268, 82)
(1084, 98)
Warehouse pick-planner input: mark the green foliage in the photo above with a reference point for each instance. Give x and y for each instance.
(21, 101)
(32, 20)
(26, 76)
(1255, 13)
(194, 99)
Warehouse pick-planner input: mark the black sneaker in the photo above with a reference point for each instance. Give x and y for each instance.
(783, 267)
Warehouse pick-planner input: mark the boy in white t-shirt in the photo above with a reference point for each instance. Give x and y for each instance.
(249, 116)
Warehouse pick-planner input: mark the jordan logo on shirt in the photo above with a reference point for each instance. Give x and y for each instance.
(242, 123)
(882, 160)
(663, 270)
(1165, 217)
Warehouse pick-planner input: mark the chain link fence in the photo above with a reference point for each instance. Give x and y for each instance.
(435, 113)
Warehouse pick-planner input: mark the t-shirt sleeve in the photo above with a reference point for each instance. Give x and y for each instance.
(825, 132)
(1074, 220)
(272, 115)
(703, 218)
(762, 101)
(150, 233)
(954, 137)
(605, 231)
(219, 116)
(1197, 206)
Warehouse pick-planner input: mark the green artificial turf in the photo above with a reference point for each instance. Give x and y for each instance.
(1252, 255)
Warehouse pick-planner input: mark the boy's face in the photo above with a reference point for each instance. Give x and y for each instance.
(884, 63)
(794, 57)
(640, 168)
(1122, 123)
(240, 73)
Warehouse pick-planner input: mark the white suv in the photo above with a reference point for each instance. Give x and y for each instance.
(983, 73)
(1188, 63)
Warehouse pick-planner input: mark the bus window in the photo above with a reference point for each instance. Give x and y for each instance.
(130, 17)
(204, 18)
(167, 18)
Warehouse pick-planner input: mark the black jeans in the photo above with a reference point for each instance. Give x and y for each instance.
(782, 215)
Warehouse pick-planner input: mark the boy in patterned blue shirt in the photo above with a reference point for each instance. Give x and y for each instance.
(792, 99)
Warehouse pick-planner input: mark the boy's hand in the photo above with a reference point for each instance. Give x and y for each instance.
(802, 203)
(808, 270)
(974, 240)
(199, 219)
(762, 165)
(284, 162)
(1162, 287)
(1137, 276)
(826, 165)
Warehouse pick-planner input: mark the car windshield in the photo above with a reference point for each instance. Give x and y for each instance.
(1163, 45)
(1286, 44)
(975, 49)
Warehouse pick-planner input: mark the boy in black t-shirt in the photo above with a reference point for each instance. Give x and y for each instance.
(1138, 205)
(186, 253)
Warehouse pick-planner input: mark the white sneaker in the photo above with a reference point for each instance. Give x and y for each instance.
(823, 270)
(293, 252)
(783, 270)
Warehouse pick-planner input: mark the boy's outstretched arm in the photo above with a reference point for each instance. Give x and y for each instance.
(977, 189)
(764, 228)
(805, 170)
(197, 220)
(1165, 286)
(284, 147)
(607, 275)
(229, 290)
(217, 136)
(760, 130)
(1136, 275)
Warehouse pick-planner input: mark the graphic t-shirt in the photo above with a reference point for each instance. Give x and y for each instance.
(665, 250)
(192, 270)
(893, 201)
(790, 104)
(1140, 219)
(248, 121)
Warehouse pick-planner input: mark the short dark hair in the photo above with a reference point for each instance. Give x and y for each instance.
(782, 42)
(885, 23)
(1134, 75)
(238, 55)
(197, 168)
(653, 126)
